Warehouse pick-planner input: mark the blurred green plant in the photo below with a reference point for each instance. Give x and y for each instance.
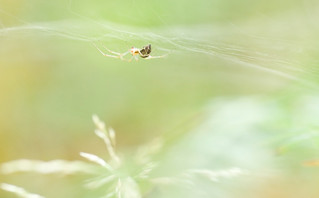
(115, 172)
(257, 61)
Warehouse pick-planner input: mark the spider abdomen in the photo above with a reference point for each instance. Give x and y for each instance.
(145, 51)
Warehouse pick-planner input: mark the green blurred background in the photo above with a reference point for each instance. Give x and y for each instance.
(52, 79)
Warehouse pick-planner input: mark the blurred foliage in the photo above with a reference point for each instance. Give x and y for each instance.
(241, 78)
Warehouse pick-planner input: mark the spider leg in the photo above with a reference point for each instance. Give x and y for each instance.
(116, 53)
(150, 57)
(132, 58)
(120, 55)
(108, 55)
(123, 54)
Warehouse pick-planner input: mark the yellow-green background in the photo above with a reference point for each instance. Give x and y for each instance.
(52, 79)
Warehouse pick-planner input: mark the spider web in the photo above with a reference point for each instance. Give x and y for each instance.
(282, 45)
(265, 44)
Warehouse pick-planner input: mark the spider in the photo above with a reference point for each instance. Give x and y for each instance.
(143, 53)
